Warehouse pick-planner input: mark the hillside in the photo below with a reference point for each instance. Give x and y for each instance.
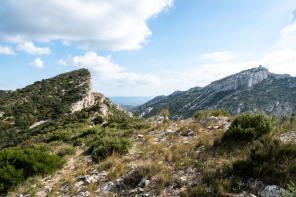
(201, 156)
(92, 147)
(53, 101)
(248, 90)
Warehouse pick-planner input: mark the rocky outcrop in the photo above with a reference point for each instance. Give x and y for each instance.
(244, 79)
(88, 98)
(39, 123)
(104, 102)
(272, 191)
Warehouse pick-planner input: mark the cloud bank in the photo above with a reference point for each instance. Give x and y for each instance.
(107, 73)
(89, 24)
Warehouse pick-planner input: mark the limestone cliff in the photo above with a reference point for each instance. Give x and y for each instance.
(88, 97)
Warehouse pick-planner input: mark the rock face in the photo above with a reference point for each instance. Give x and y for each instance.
(247, 90)
(104, 102)
(244, 79)
(88, 98)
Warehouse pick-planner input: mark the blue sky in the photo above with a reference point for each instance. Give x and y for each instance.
(144, 48)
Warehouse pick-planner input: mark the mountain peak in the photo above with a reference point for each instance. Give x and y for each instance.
(244, 79)
(250, 89)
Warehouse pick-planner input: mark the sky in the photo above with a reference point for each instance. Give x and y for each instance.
(141, 47)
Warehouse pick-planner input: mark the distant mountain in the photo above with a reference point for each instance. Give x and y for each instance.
(247, 90)
(129, 102)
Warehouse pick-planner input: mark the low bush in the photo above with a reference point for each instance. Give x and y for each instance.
(216, 112)
(105, 146)
(90, 131)
(247, 127)
(98, 120)
(16, 165)
(78, 142)
(67, 150)
(60, 136)
(219, 112)
(271, 161)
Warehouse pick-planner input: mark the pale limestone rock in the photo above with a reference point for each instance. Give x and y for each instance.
(88, 99)
(39, 123)
(272, 191)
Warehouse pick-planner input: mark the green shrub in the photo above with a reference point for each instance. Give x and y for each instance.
(98, 120)
(199, 114)
(219, 112)
(291, 189)
(67, 150)
(78, 142)
(16, 165)
(271, 161)
(44, 147)
(93, 130)
(105, 146)
(142, 126)
(216, 112)
(199, 191)
(247, 127)
(60, 136)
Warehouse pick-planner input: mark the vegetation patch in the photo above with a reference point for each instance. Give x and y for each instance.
(67, 150)
(104, 147)
(247, 127)
(16, 165)
(269, 160)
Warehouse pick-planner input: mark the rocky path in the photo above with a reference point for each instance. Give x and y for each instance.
(50, 182)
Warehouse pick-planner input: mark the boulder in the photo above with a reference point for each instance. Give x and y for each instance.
(272, 191)
(107, 187)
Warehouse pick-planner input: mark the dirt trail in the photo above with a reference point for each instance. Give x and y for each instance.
(50, 182)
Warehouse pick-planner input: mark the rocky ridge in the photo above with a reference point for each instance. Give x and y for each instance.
(247, 90)
(88, 99)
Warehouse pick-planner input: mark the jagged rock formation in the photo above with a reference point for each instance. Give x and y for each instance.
(247, 90)
(104, 102)
(88, 97)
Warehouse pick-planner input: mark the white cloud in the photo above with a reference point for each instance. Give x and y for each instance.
(107, 73)
(61, 62)
(6, 50)
(278, 61)
(30, 48)
(97, 24)
(219, 56)
(37, 63)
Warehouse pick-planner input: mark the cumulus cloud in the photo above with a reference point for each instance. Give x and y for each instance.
(219, 56)
(30, 48)
(61, 62)
(97, 24)
(108, 73)
(37, 63)
(5, 50)
(278, 61)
